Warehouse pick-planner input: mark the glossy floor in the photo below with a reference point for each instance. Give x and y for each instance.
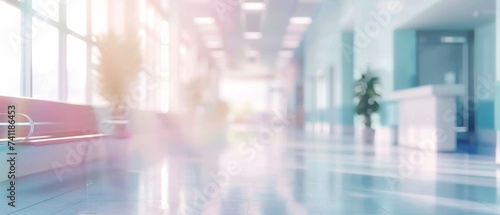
(285, 175)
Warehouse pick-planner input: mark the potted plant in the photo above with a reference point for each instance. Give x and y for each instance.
(193, 94)
(366, 99)
(119, 64)
(216, 120)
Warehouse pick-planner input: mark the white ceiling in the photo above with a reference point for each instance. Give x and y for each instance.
(272, 23)
(276, 33)
(453, 15)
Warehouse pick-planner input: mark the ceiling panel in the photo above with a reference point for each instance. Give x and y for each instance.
(272, 23)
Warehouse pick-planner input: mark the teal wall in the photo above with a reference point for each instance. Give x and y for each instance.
(323, 54)
(485, 109)
(405, 59)
(344, 111)
(497, 106)
(315, 57)
(484, 68)
(389, 113)
(344, 115)
(497, 73)
(405, 73)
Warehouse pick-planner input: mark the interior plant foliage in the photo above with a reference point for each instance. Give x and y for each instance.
(193, 93)
(119, 64)
(367, 97)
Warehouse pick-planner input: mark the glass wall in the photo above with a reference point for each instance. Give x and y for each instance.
(51, 57)
(76, 16)
(45, 63)
(47, 8)
(99, 26)
(156, 53)
(55, 62)
(76, 56)
(10, 50)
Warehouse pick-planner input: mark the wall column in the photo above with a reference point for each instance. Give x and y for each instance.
(344, 87)
(497, 85)
(405, 76)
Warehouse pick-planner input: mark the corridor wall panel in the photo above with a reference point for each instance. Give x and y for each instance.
(484, 82)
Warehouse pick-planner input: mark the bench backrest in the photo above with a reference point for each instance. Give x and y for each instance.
(50, 118)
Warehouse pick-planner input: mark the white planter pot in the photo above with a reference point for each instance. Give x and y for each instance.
(368, 135)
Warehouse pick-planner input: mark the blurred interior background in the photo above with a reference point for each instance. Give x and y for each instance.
(142, 102)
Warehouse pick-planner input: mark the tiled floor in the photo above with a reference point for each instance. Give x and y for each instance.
(284, 176)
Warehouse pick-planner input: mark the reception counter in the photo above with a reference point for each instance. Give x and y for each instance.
(427, 117)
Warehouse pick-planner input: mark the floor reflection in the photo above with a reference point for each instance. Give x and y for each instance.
(288, 175)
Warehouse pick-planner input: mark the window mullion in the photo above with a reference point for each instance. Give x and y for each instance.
(88, 83)
(26, 49)
(63, 71)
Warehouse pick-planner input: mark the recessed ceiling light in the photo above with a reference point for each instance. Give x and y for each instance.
(300, 20)
(453, 39)
(253, 35)
(204, 20)
(253, 6)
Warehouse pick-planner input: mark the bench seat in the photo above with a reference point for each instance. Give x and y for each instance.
(40, 122)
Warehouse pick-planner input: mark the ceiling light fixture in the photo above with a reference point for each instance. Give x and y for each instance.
(204, 20)
(253, 35)
(300, 20)
(453, 39)
(253, 6)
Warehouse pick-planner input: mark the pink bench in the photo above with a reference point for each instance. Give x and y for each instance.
(48, 122)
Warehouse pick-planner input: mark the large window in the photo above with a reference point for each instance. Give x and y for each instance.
(44, 71)
(99, 26)
(48, 8)
(155, 35)
(77, 69)
(76, 18)
(99, 17)
(10, 50)
(45, 63)
(44, 49)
